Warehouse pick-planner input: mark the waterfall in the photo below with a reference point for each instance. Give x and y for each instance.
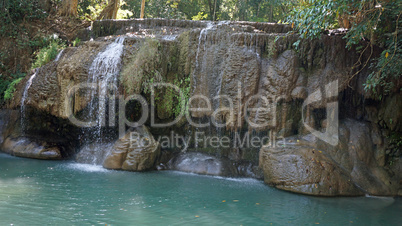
(23, 98)
(203, 37)
(103, 72)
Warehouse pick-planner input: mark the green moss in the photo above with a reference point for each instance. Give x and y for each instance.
(270, 47)
(142, 70)
(146, 68)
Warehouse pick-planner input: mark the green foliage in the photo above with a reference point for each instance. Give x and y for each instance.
(12, 12)
(311, 17)
(155, 9)
(251, 10)
(47, 53)
(395, 144)
(7, 84)
(255, 10)
(200, 16)
(90, 9)
(9, 92)
(375, 21)
(76, 42)
(385, 70)
(182, 100)
(169, 100)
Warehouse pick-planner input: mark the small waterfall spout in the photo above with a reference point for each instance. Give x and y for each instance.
(203, 37)
(23, 100)
(59, 55)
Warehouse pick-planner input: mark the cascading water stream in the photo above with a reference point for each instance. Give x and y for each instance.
(259, 103)
(59, 55)
(23, 99)
(103, 74)
(203, 75)
(203, 37)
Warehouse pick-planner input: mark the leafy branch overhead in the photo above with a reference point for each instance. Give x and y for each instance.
(374, 22)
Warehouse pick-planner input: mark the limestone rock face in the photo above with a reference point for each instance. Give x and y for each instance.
(311, 166)
(304, 169)
(136, 151)
(199, 163)
(52, 84)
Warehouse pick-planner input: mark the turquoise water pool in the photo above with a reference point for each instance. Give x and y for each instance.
(37, 192)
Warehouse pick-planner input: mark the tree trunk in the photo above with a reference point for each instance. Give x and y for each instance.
(68, 8)
(142, 9)
(110, 12)
(213, 18)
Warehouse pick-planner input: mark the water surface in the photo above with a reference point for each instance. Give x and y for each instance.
(38, 192)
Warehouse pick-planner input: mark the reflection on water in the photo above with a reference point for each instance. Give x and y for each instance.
(52, 192)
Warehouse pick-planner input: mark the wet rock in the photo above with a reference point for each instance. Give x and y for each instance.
(24, 147)
(137, 150)
(199, 163)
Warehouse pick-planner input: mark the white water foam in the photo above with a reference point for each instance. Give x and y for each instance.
(86, 167)
(238, 179)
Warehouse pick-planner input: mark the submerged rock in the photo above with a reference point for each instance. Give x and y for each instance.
(136, 151)
(199, 163)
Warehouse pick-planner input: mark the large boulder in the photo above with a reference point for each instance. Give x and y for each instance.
(311, 166)
(137, 150)
(24, 147)
(303, 169)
